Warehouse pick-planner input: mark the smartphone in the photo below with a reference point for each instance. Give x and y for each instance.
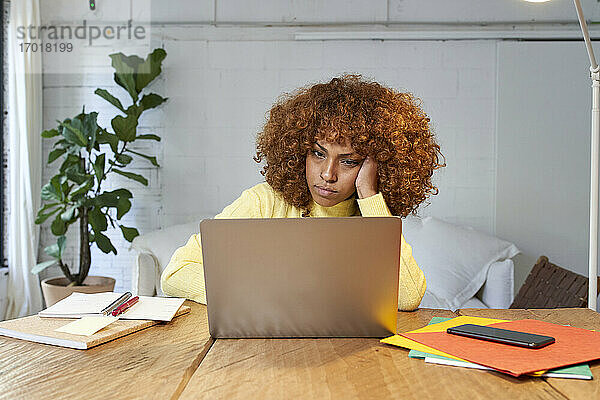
(504, 336)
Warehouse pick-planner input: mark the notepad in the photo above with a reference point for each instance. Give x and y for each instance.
(87, 326)
(79, 305)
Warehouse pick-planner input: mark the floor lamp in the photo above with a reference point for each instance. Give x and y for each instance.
(595, 75)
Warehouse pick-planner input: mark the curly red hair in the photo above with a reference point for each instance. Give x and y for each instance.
(377, 121)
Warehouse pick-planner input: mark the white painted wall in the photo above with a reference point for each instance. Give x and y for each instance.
(221, 80)
(320, 11)
(543, 173)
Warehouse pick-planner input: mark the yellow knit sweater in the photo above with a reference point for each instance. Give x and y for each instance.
(184, 276)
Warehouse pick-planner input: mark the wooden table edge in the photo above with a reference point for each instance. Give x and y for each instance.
(189, 371)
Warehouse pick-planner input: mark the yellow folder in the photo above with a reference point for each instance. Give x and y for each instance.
(401, 341)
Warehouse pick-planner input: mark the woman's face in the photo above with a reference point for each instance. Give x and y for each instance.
(331, 171)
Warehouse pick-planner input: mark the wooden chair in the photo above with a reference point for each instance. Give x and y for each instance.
(550, 286)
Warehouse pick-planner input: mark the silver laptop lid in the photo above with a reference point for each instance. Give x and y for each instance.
(314, 277)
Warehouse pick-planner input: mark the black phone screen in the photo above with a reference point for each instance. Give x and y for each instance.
(505, 336)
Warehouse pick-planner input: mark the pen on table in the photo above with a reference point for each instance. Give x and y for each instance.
(122, 299)
(125, 306)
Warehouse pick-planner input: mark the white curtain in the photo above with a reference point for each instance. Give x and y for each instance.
(25, 162)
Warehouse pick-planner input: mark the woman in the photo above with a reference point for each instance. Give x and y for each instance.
(348, 147)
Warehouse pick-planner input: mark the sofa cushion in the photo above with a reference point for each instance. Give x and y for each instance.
(163, 242)
(454, 259)
(498, 290)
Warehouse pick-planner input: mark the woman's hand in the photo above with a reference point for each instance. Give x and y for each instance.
(366, 180)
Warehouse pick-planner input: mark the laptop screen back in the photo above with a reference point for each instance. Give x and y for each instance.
(314, 277)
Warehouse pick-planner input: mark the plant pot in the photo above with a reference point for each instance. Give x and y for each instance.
(56, 289)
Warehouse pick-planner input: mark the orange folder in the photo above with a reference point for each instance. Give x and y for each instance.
(572, 346)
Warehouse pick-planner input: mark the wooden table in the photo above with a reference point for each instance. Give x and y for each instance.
(180, 361)
(154, 363)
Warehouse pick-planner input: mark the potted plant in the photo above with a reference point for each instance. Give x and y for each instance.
(90, 154)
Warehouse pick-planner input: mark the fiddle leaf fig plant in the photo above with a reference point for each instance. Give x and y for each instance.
(89, 155)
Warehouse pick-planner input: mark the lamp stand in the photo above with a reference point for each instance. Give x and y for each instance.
(595, 75)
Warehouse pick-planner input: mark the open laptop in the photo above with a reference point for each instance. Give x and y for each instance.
(312, 277)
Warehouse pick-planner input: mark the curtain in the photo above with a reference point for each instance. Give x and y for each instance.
(24, 162)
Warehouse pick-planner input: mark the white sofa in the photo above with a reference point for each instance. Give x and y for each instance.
(464, 268)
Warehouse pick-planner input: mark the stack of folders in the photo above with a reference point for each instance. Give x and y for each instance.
(566, 358)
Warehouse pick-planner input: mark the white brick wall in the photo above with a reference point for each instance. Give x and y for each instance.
(219, 105)
(220, 85)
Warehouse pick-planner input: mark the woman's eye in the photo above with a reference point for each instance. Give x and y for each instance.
(317, 153)
(350, 163)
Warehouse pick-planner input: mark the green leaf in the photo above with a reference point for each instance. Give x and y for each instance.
(69, 215)
(129, 233)
(61, 142)
(149, 136)
(82, 189)
(107, 199)
(123, 207)
(149, 158)
(58, 227)
(151, 101)
(134, 110)
(52, 190)
(149, 69)
(61, 241)
(110, 98)
(124, 159)
(133, 61)
(110, 138)
(54, 154)
(41, 217)
(104, 243)
(56, 250)
(53, 250)
(97, 220)
(74, 132)
(48, 206)
(42, 266)
(66, 189)
(131, 175)
(118, 199)
(125, 128)
(124, 74)
(76, 174)
(50, 133)
(90, 128)
(69, 161)
(99, 165)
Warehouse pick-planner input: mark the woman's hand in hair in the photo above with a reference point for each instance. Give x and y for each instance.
(366, 181)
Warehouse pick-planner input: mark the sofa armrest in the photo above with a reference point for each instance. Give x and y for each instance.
(144, 276)
(498, 290)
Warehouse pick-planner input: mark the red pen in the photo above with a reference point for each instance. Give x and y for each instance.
(125, 306)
